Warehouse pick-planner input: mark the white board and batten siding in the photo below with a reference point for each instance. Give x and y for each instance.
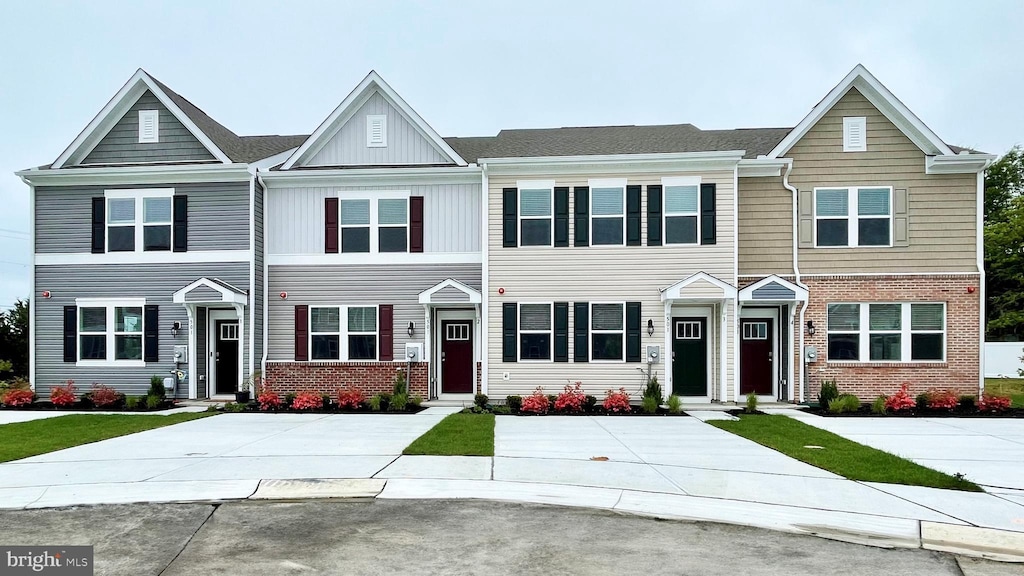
(601, 274)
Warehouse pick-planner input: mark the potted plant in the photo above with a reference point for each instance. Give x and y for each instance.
(242, 395)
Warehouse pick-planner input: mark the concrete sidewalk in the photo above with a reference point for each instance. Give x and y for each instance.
(663, 467)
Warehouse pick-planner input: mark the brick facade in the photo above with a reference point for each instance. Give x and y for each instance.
(959, 372)
(328, 377)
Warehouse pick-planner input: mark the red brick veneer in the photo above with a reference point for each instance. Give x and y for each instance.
(328, 377)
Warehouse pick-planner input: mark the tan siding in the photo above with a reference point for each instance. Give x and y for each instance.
(941, 208)
(596, 274)
(766, 226)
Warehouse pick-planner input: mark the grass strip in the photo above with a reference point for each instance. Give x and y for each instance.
(837, 454)
(1013, 387)
(457, 435)
(24, 439)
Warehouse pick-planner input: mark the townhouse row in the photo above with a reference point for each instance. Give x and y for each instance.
(726, 262)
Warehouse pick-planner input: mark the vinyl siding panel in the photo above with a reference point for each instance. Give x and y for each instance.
(597, 274)
(451, 217)
(356, 285)
(203, 294)
(218, 216)
(449, 294)
(766, 226)
(405, 143)
(121, 144)
(773, 291)
(941, 207)
(156, 283)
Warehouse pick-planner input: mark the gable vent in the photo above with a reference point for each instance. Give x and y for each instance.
(855, 134)
(376, 131)
(149, 126)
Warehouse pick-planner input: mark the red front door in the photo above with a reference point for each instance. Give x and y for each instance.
(457, 368)
(756, 356)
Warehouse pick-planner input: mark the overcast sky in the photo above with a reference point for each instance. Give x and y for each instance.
(473, 68)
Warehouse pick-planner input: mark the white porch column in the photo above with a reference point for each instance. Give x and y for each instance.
(240, 310)
(667, 358)
(428, 331)
(192, 369)
(723, 343)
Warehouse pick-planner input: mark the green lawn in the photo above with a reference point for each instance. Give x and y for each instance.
(457, 435)
(837, 454)
(24, 439)
(1012, 386)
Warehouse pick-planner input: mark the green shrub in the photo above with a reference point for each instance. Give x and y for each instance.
(153, 401)
(376, 402)
(551, 399)
(675, 404)
(481, 400)
(415, 401)
(326, 399)
(878, 406)
(385, 401)
(829, 392)
(968, 402)
(589, 402)
(233, 407)
(751, 403)
(397, 403)
(156, 387)
(653, 389)
(514, 403)
(504, 409)
(844, 403)
(288, 399)
(132, 402)
(400, 386)
(921, 401)
(649, 404)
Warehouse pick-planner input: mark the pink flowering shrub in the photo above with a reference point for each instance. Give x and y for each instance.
(536, 403)
(104, 396)
(571, 399)
(18, 397)
(942, 399)
(350, 398)
(63, 396)
(616, 401)
(307, 401)
(901, 400)
(993, 403)
(268, 399)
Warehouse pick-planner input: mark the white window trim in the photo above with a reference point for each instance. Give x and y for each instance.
(678, 181)
(864, 332)
(370, 119)
(852, 218)
(619, 183)
(109, 304)
(550, 332)
(343, 333)
(373, 196)
(156, 126)
(139, 195)
(860, 121)
(549, 185)
(592, 331)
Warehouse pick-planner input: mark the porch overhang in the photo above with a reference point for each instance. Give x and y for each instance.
(773, 290)
(209, 292)
(450, 291)
(697, 287)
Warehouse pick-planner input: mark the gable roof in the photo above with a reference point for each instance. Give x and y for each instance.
(883, 100)
(370, 84)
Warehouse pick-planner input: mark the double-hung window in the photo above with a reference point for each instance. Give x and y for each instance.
(139, 220)
(535, 332)
(853, 216)
(607, 212)
(393, 225)
(380, 224)
(536, 206)
(343, 332)
(681, 210)
(110, 332)
(607, 331)
(355, 225)
(886, 332)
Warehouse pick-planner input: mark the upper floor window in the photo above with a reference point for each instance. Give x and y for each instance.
(378, 225)
(149, 126)
(343, 332)
(682, 211)
(607, 212)
(536, 205)
(139, 220)
(855, 134)
(886, 332)
(853, 216)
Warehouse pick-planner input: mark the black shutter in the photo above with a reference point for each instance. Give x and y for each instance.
(562, 216)
(632, 215)
(562, 330)
(70, 334)
(582, 227)
(151, 340)
(99, 230)
(581, 333)
(708, 220)
(654, 215)
(508, 332)
(180, 223)
(633, 332)
(510, 212)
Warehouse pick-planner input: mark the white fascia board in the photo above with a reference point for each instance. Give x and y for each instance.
(369, 176)
(271, 161)
(734, 155)
(606, 164)
(151, 174)
(957, 164)
(760, 167)
(881, 98)
(329, 127)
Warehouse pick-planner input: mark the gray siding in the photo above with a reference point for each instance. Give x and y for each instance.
(449, 294)
(405, 143)
(218, 216)
(257, 301)
(451, 214)
(203, 294)
(121, 144)
(156, 283)
(354, 285)
(773, 291)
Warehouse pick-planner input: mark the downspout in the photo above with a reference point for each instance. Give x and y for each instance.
(484, 280)
(266, 282)
(31, 282)
(796, 273)
(980, 242)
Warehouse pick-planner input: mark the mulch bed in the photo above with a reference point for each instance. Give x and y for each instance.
(865, 412)
(82, 407)
(254, 408)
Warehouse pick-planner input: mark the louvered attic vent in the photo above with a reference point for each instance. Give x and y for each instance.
(149, 126)
(855, 134)
(376, 131)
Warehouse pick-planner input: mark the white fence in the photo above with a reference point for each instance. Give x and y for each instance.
(1002, 359)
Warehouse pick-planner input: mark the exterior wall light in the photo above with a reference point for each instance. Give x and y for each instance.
(650, 327)
(175, 327)
(411, 329)
(810, 327)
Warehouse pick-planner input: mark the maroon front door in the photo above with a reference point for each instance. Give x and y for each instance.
(756, 356)
(457, 368)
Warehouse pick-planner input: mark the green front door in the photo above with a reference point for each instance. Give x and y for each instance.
(690, 356)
